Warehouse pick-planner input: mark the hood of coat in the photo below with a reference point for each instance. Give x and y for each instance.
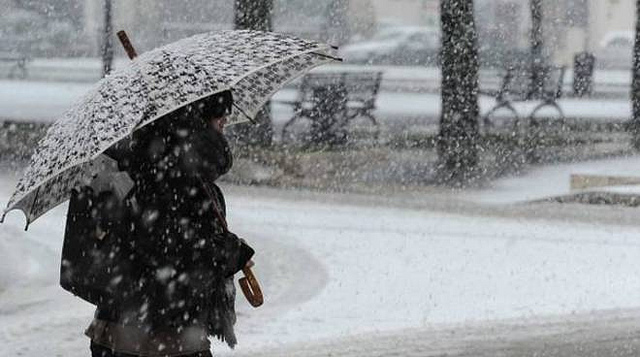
(179, 147)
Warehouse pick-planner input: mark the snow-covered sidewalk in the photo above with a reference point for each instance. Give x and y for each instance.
(608, 82)
(334, 266)
(390, 268)
(47, 101)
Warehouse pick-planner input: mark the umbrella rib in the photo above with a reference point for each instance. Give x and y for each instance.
(280, 60)
(35, 200)
(327, 56)
(243, 112)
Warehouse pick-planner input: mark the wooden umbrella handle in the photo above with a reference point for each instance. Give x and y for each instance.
(126, 43)
(251, 288)
(249, 284)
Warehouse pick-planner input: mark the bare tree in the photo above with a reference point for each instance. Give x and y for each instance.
(255, 15)
(107, 38)
(458, 137)
(537, 59)
(635, 85)
(336, 23)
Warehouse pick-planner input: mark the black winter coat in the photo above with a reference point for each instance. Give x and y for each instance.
(174, 254)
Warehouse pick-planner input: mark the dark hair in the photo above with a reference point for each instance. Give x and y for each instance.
(215, 106)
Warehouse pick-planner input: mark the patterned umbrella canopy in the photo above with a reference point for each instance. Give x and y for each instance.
(253, 65)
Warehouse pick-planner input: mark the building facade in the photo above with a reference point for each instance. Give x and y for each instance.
(407, 12)
(607, 17)
(570, 26)
(154, 22)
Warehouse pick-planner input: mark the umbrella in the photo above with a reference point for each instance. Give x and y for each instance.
(252, 64)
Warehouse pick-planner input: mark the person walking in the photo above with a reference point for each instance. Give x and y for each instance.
(177, 288)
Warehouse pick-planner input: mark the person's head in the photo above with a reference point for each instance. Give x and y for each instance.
(217, 123)
(215, 110)
(199, 122)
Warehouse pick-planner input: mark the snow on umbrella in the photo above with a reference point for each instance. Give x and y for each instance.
(252, 64)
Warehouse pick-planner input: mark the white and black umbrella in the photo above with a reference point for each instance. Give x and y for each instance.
(252, 64)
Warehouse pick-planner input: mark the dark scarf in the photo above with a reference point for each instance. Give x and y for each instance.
(212, 148)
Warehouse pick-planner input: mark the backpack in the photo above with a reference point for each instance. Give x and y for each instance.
(97, 252)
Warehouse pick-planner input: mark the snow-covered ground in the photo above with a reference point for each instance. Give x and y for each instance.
(334, 266)
(395, 268)
(554, 180)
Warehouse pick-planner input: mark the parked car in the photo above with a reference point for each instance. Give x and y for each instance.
(410, 45)
(616, 50)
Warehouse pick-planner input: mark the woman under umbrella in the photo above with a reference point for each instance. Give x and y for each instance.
(177, 287)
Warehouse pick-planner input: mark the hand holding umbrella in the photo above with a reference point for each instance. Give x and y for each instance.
(250, 286)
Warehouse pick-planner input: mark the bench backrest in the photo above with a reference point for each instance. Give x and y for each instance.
(12, 56)
(361, 87)
(516, 83)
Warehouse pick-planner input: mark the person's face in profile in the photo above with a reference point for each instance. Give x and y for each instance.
(217, 123)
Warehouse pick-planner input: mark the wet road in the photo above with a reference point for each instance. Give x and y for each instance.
(610, 334)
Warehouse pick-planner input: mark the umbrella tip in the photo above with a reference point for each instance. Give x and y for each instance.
(4, 214)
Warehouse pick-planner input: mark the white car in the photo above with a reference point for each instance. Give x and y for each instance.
(616, 50)
(411, 45)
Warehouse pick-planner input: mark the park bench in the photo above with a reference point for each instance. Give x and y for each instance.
(528, 138)
(516, 87)
(330, 102)
(17, 62)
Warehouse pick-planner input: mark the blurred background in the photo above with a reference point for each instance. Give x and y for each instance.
(529, 109)
(403, 32)
(571, 56)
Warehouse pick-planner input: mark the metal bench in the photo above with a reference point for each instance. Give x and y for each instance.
(516, 87)
(330, 102)
(19, 64)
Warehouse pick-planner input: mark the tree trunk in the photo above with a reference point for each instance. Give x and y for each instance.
(458, 138)
(107, 39)
(635, 85)
(337, 22)
(537, 59)
(255, 15)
